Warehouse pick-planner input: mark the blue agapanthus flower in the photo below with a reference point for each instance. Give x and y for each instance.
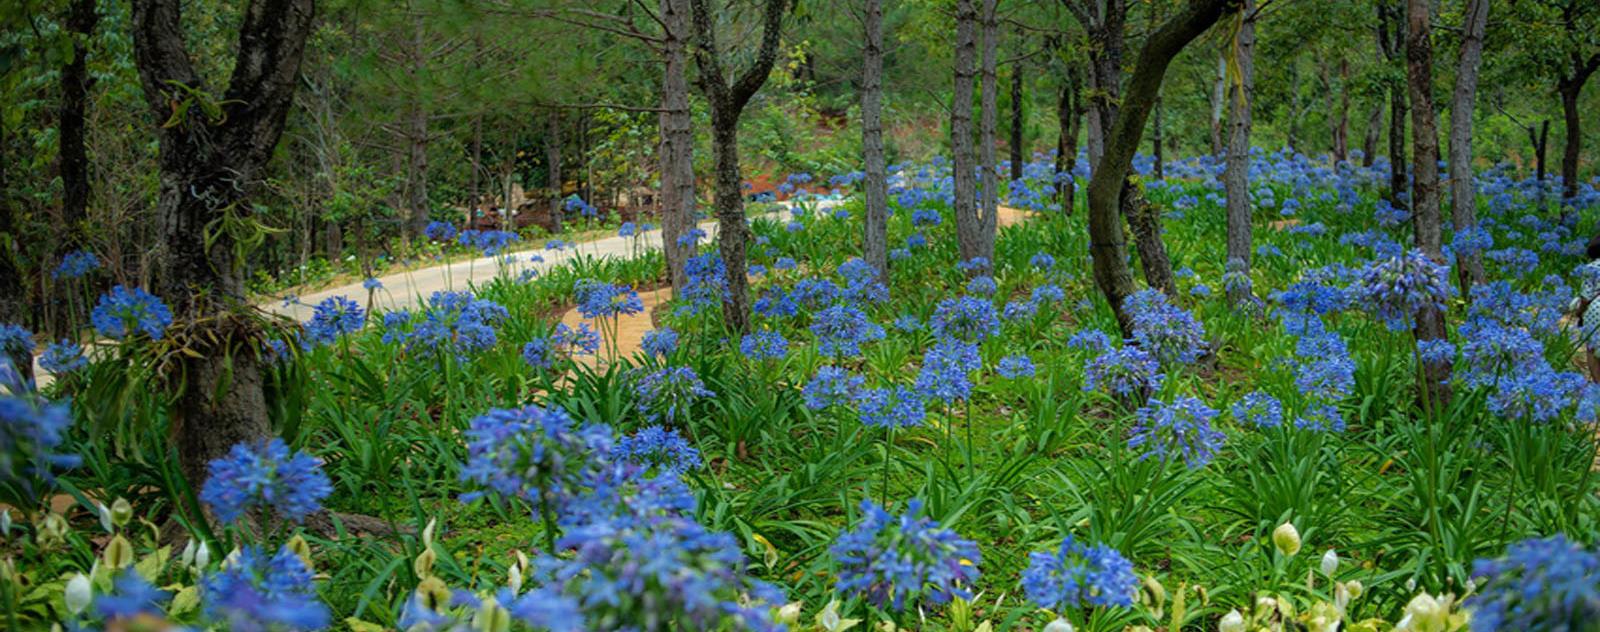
(1395, 288)
(1539, 584)
(605, 300)
(1016, 366)
(831, 386)
(257, 593)
(457, 323)
(764, 345)
(1078, 576)
(659, 342)
(1016, 311)
(31, 432)
(658, 447)
(440, 231)
(946, 371)
(1042, 260)
(372, 284)
(965, 318)
(1123, 371)
(861, 282)
(1047, 294)
(265, 477)
(531, 452)
(64, 356)
(841, 330)
(707, 284)
(333, 317)
(132, 596)
(896, 407)
(1258, 408)
(77, 264)
(982, 286)
(15, 340)
(667, 393)
(1167, 331)
(124, 310)
(1180, 428)
(897, 561)
(1089, 340)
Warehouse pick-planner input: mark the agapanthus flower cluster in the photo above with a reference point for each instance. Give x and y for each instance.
(1395, 288)
(490, 242)
(31, 433)
(1017, 311)
(896, 407)
(982, 286)
(946, 370)
(1124, 371)
(531, 452)
(1078, 576)
(440, 231)
(707, 283)
(897, 561)
(77, 264)
(1016, 366)
(61, 357)
(132, 597)
(861, 282)
(659, 342)
(265, 477)
(667, 393)
(965, 318)
(1539, 584)
(333, 317)
(1167, 331)
(1325, 371)
(841, 330)
(257, 593)
(1180, 428)
(597, 299)
(1089, 340)
(1259, 409)
(124, 310)
(764, 345)
(657, 447)
(831, 386)
(455, 322)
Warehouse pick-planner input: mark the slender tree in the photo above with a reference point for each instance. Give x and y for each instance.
(875, 240)
(74, 156)
(1425, 214)
(677, 143)
(727, 99)
(1109, 179)
(552, 165)
(988, 114)
(969, 233)
(1391, 38)
(1015, 143)
(214, 149)
(1069, 115)
(1463, 198)
(1236, 172)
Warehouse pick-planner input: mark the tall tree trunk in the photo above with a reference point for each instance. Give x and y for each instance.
(988, 183)
(969, 233)
(13, 292)
(1391, 31)
(1425, 214)
(1017, 157)
(1155, 142)
(1236, 172)
(552, 161)
(1463, 198)
(1106, 41)
(1069, 115)
(74, 155)
(1570, 89)
(1219, 88)
(1341, 116)
(209, 167)
(677, 144)
(875, 237)
(1111, 271)
(474, 186)
(1293, 123)
(416, 137)
(1369, 143)
(1541, 141)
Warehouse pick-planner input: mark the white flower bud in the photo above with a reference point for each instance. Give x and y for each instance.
(79, 593)
(514, 579)
(202, 556)
(1287, 539)
(105, 517)
(1231, 622)
(1330, 563)
(1059, 625)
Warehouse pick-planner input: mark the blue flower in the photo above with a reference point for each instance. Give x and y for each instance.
(897, 407)
(1124, 371)
(896, 561)
(832, 386)
(708, 282)
(946, 368)
(15, 340)
(764, 345)
(659, 342)
(1078, 576)
(440, 231)
(907, 323)
(132, 596)
(334, 316)
(841, 329)
(457, 323)
(77, 264)
(982, 286)
(1042, 261)
(658, 447)
(125, 309)
(965, 318)
(265, 477)
(1090, 340)
(372, 284)
(1261, 409)
(1167, 331)
(1396, 288)
(667, 393)
(1020, 310)
(255, 593)
(30, 434)
(1548, 584)
(1182, 427)
(604, 300)
(531, 452)
(1015, 366)
(862, 282)
(62, 357)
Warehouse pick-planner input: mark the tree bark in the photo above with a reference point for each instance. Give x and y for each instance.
(416, 137)
(1341, 116)
(1017, 157)
(727, 102)
(1069, 115)
(1369, 143)
(1391, 33)
(209, 168)
(552, 161)
(988, 179)
(875, 237)
(677, 144)
(1463, 198)
(1425, 214)
(1111, 270)
(964, 163)
(474, 186)
(1157, 169)
(1570, 87)
(1236, 171)
(1219, 92)
(74, 156)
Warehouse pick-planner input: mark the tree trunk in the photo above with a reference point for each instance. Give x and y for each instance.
(417, 140)
(875, 237)
(1425, 214)
(1106, 245)
(209, 168)
(1236, 172)
(474, 187)
(552, 162)
(1293, 123)
(988, 182)
(1106, 41)
(969, 233)
(677, 145)
(13, 293)
(1069, 115)
(1219, 87)
(1341, 116)
(74, 156)
(1463, 198)
(1391, 32)
(1569, 90)
(1155, 142)
(1017, 157)
(1541, 141)
(1369, 143)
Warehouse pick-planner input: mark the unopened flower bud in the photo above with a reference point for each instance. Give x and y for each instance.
(1231, 622)
(1286, 538)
